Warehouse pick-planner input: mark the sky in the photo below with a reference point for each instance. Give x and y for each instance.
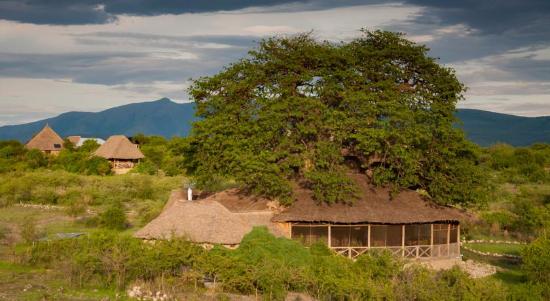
(90, 55)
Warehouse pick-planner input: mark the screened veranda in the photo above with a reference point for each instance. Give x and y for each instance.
(410, 240)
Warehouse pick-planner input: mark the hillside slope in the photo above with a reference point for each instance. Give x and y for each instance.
(166, 118)
(486, 128)
(161, 117)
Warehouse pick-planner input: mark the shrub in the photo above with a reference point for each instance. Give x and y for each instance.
(96, 166)
(29, 232)
(114, 218)
(536, 260)
(109, 259)
(76, 209)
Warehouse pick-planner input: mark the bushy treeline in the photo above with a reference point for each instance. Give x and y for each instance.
(161, 154)
(519, 165)
(518, 193)
(263, 265)
(14, 156)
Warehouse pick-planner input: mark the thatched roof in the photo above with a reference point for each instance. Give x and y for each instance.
(206, 220)
(46, 140)
(375, 205)
(119, 147)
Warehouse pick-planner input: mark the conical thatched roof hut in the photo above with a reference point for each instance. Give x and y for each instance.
(118, 147)
(47, 141)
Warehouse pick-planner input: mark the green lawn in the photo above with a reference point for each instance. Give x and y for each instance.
(500, 248)
(509, 270)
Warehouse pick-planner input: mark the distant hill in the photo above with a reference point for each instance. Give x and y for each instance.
(162, 117)
(166, 118)
(486, 128)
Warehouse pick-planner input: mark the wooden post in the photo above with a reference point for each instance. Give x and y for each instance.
(431, 239)
(458, 239)
(290, 230)
(448, 239)
(368, 239)
(402, 240)
(329, 236)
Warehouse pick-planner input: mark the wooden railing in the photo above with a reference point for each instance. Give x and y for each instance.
(420, 251)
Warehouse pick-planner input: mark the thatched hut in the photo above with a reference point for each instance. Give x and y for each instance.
(223, 218)
(122, 153)
(47, 141)
(403, 222)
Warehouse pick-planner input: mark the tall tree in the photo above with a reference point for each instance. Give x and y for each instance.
(302, 110)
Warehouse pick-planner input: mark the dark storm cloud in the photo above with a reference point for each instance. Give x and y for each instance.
(489, 16)
(67, 12)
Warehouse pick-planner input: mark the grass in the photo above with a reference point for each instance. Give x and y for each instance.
(21, 282)
(139, 194)
(509, 270)
(500, 248)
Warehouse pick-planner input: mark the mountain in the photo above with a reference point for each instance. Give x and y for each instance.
(166, 118)
(486, 128)
(162, 117)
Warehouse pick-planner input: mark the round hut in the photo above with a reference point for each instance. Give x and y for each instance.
(122, 153)
(46, 141)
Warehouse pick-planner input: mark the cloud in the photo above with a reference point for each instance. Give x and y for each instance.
(132, 50)
(67, 12)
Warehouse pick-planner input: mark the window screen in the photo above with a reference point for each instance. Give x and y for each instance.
(310, 234)
(340, 236)
(440, 234)
(454, 234)
(417, 234)
(386, 235)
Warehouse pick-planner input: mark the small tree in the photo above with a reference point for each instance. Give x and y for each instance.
(536, 260)
(114, 218)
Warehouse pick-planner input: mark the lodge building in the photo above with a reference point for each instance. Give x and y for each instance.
(403, 223)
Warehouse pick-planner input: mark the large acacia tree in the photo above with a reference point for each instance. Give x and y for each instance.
(298, 110)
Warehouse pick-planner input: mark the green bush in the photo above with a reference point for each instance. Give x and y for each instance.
(114, 218)
(109, 259)
(262, 265)
(536, 260)
(28, 230)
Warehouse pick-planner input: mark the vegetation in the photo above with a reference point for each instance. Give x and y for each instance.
(260, 266)
(498, 248)
(302, 110)
(15, 157)
(536, 260)
(160, 155)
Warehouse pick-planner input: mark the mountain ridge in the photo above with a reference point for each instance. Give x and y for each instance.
(166, 118)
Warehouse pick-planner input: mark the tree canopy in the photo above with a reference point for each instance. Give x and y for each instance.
(299, 110)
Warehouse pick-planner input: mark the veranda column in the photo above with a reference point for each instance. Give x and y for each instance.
(402, 240)
(368, 239)
(448, 239)
(431, 240)
(458, 239)
(329, 236)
